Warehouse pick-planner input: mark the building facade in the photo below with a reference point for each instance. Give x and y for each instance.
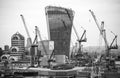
(60, 21)
(17, 45)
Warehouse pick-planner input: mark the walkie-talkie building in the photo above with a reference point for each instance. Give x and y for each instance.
(60, 21)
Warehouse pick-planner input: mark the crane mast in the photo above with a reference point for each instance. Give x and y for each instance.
(82, 40)
(38, 32)
(48, 58)
(104, 37)
(22, 17)
(109, 61)
(102, 31)
(29, 41)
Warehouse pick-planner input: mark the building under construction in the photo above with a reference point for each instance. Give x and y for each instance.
(60, 21)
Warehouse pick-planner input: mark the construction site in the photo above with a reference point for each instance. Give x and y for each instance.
(54, 58)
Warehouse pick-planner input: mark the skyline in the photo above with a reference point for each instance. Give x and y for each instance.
(34, 13)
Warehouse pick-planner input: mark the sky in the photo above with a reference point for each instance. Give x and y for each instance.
(34, 14)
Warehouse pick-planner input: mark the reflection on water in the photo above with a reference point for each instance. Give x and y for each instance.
(49, 77)
(36, 77)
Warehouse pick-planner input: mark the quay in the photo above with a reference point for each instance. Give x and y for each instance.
(71, 73)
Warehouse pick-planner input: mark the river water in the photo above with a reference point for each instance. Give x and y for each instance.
(36, 77)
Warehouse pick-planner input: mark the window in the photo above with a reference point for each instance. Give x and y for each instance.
(12, 59)
(14, 50)
(15, 38)
(4, 57)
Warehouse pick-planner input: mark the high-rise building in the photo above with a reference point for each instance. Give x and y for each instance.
(17, 45)
(60, 21)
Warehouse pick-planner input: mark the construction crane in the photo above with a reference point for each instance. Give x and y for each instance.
(78, 39)
(48, 58)
(38, 32)
(36, 36)
(29, 40)
(82, 40)
(109, 61)
(103, 33)
(114, 40)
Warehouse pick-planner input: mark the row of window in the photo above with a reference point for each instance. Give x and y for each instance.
(16, 38)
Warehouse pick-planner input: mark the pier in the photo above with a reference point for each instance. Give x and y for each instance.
(71, 73)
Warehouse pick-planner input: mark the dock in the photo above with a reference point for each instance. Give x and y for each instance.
(70, 73)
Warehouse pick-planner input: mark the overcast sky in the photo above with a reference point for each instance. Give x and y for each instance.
(34, 14)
